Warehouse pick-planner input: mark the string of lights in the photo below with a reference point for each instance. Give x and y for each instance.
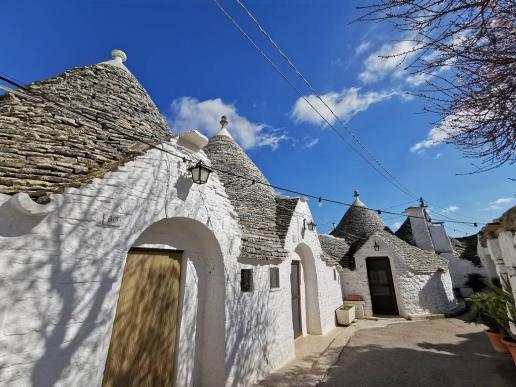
(319, 198)
(390, 177)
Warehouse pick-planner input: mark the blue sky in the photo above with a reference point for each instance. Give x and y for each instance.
(196, 66)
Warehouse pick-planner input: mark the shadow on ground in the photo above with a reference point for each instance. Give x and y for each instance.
(428, 353)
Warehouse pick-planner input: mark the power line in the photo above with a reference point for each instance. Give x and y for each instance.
(301, 94)
(319, 198)
(318, 95)
(391, 179)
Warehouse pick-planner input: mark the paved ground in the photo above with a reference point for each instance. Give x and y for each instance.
(316, 354)
(443, 352)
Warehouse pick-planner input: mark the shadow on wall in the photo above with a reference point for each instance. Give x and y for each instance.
(469, 362)
(255, 326)
(433, 296)
(59, 278)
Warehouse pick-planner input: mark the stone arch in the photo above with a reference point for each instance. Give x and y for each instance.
(200, 341)
(311, 289)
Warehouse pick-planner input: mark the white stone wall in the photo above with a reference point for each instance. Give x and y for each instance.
(460, 268)
(416, 294)
(321, 283)
(60, 275)
(487, 262)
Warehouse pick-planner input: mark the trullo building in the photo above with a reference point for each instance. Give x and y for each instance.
(117, 269)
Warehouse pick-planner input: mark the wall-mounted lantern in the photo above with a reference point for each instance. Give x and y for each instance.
(310, 225)
(376, 246)
(200, 173)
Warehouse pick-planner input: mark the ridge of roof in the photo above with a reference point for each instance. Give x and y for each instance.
(46, 147)
(405, 232)
(358, 223)
(466, 248)
(255, 204)
(285, 207)
(421, 261)
(338, 249)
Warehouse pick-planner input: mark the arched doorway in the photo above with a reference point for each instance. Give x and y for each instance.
(309, 299)
(199, 353)
(381, 286)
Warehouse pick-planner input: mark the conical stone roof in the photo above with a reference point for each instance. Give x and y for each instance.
(358, 223)
(255, 203)
(74, 127)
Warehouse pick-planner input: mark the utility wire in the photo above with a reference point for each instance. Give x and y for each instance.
(301, 94)
(320, 199)
(397, 184)
(318, 95)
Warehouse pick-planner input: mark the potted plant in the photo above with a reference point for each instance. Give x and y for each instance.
(489, 309)
(505, 293)
(345, 314)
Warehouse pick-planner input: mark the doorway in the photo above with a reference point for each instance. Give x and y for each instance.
(381, 286)
(143, 340)
(296, 298)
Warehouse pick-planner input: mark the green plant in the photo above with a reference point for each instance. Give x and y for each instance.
(489, 310)
(495, 308)
(506, 295)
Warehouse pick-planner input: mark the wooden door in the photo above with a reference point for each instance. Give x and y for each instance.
(141, 352)
(381, 286)
(296, 298)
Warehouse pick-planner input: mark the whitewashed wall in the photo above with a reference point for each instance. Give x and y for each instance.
(60, 275)
(416, 294)
(461, 268)
(321, 283)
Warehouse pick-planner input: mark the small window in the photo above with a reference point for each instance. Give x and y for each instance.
(246, 280)
(334, 275)
(274, 277)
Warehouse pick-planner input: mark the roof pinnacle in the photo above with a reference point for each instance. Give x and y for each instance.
(223, 122)
(223, 127)
(119, 55)
(356, 193)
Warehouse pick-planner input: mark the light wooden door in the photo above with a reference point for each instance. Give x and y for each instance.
(141, 352)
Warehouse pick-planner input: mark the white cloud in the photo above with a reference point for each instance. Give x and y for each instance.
(438, 134)
(362, 47)
(396, 226)
(452, 209)
(345, 105)
(499, 204)
(188, 113)
(337, 62)
(438, 156)
(388, 60)
(310, 142)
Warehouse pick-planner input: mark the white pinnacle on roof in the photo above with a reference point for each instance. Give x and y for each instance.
(119, 57)
(357, 202)
(223, 124)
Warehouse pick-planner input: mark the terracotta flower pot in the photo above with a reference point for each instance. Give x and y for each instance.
(511, 345)
(496, 341)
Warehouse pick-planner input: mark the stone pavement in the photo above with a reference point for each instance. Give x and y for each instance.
(443, 352)
(316, 354)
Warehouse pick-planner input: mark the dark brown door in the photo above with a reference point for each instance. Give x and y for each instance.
(141, 352)
(381, 286)
(296, 298)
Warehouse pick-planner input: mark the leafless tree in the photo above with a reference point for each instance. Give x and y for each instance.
(464, 53)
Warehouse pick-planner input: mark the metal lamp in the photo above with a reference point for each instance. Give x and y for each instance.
(200, 173)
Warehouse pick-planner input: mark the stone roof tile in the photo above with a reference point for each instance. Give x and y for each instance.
(255, 204)
(45, 147)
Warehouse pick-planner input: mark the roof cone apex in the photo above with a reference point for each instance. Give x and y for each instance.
(223, 128)
(357, 202)
(119, 57)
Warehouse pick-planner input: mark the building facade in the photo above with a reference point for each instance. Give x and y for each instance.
(104, 237)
